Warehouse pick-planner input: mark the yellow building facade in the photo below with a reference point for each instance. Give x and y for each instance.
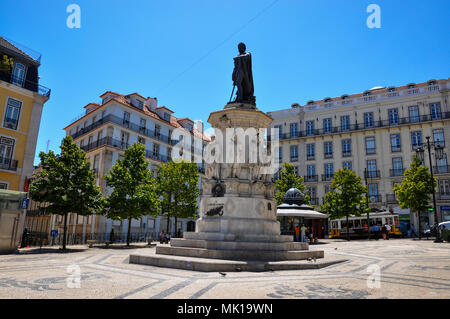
(21, 104)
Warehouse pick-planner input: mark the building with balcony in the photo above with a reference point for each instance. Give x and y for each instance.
(22, 100)
(106, 129)
(374, 133)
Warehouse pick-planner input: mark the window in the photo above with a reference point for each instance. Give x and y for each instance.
(393, 116)
(142, 124)
(416, 139)
(329, 170)
(435, 111)
(438, 137)
(444, 187)
(309, 128)
(81, 144)
(345, 123)
(328, 149)
(157, 130)
(99, 136)
(370, 145)
(3, 185)
(397, 166)
(395, 143)
(280, 154)
(140, 104)
(279, 130)
(141, 140)
(346, 148)
(327, 125)
(368, 120)
(126, 119)
(12, 114)
(296, 170)
(310, 151)
(90, 139)
(311, 171)
(373, 192)
(347, 165)
(372, 169)
(155, 149)
(6, 151)
(166, 117)
(294, 129)
(124, 139)
(18, 74)
(441, 164)
(294, 153)
(414, 114)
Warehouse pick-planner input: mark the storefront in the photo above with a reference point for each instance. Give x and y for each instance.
(294, 212)
(445, 213)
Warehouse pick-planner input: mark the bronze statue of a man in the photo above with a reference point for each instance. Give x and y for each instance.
(243, 77)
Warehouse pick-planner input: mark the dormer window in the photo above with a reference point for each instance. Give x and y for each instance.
(140, 104)
(344, 97)
(328, 99)
(310, 103)
(166, 116)
(432, 82)
(392, 89)
(367, 93)
(411, 86)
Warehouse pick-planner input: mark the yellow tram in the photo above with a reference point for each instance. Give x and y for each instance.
(358, 225)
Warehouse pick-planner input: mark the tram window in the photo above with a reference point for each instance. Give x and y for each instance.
(357, 224)
(343, 224)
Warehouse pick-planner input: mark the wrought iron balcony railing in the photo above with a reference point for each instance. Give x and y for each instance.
(327, 177)
(362, 126)
(311, 178)
(390, 199)
(443, 169)
(372, 174)
(21, 82)
(396, 172)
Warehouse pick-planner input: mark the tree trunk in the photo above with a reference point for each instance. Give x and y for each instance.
(176, 230)
(168, 224)
(348, 233)
(129, 231)
(65, 232)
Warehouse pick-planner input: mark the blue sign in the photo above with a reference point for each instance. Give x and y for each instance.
(25, 203)
(54, 233)
(445, 207)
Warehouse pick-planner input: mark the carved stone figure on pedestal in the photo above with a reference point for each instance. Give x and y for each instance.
(243, 77)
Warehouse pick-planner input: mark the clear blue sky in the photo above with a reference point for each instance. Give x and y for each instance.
(181, 50)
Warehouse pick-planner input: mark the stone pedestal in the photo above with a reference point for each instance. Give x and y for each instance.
(246, 228)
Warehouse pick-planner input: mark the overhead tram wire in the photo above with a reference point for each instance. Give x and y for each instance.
(217, 46)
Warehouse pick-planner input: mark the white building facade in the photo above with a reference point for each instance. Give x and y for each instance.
(106, 130)
(377, 132)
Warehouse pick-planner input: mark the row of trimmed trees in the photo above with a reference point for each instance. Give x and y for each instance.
(66, 184)
(349, 196)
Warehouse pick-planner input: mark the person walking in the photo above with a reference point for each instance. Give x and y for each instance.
(376, 231)
(388, 229)
(303, 232)
(383, 232)
(297, 233)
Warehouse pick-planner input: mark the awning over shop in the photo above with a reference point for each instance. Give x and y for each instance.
(308, 214)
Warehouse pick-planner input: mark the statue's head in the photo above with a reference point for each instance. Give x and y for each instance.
(241, 48)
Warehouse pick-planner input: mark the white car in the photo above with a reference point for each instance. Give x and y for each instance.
(443, 225)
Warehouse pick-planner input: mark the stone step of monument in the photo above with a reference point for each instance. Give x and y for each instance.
(237, 245)
(249, 255)
(237, 237)
(215, 265)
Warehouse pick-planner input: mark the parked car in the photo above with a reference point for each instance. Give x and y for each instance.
(430, 232)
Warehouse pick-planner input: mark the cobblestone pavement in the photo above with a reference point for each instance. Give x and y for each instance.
(408, 269)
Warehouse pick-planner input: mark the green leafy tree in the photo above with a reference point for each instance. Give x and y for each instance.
(6, 64)
(66, 183)
(133, 194)
(288, 179)
(347, 196)
(177, 185)
(415, 191)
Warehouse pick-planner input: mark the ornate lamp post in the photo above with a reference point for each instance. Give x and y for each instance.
(439, 151)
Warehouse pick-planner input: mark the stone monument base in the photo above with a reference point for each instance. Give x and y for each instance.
(153, 258)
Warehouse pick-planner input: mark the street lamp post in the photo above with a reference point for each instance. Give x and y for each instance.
(367, 203)
(439, 155)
